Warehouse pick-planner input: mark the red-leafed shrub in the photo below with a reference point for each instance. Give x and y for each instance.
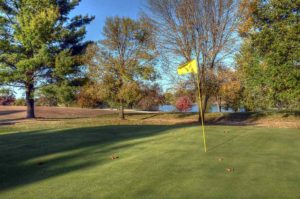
(183, 103)
(6, 97)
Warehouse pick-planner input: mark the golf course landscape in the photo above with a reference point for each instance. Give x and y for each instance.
(142, 157)
(149, 99)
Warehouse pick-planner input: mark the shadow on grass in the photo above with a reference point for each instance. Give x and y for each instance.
(10, 121)
(9, 112)
(247, 117)
(212, 148)
(33, 156)
(148, 117)
(236, 117)
(184, 115)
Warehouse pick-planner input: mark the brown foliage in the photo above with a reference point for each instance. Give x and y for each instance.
(229, 88)
(88, 96)
(246, 9)
(151, 98)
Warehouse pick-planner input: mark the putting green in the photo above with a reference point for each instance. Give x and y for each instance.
(153, 161)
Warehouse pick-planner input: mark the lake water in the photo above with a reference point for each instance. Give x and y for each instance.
(194, 109)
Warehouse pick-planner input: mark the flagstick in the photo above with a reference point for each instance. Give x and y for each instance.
(200, 105)
(192, 67)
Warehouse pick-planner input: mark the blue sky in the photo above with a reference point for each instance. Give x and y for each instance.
(102, 9)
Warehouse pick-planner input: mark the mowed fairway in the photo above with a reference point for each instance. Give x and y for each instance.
(154, 161)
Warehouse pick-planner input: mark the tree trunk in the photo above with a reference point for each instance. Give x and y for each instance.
(199, 115)
(219, 104)
(204, 106)
(30, 101)
(200, 101)
(205, 103)
(121, 113)
(199, 110)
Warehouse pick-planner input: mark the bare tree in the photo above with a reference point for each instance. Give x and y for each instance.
(204, 30)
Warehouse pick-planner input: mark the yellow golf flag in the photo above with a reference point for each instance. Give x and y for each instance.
(190, 67)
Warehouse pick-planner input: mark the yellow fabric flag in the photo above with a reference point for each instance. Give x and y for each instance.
(190, 67)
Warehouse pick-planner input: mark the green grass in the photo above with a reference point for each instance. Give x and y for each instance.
(72, 160)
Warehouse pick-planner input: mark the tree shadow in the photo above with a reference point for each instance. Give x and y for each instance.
(9, 112)
(148, 117)
(32, 156)
(291, 113)
(212, 148)
(248, 117)
(6, 123)
(184, 115)
(10, 121)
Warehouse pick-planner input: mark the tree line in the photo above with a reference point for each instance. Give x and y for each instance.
(247, 53)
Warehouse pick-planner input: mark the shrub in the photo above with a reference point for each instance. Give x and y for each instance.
(19, 102)
(183, 103)
(89, 96)
(7, 97)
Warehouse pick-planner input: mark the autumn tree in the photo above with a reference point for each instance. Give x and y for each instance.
(185, 88)
(168, 98)
(246, 10)
(40, 44)
(122, 60)
(151, 97)
(89, 96)
(196, 29)
(229, 89)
